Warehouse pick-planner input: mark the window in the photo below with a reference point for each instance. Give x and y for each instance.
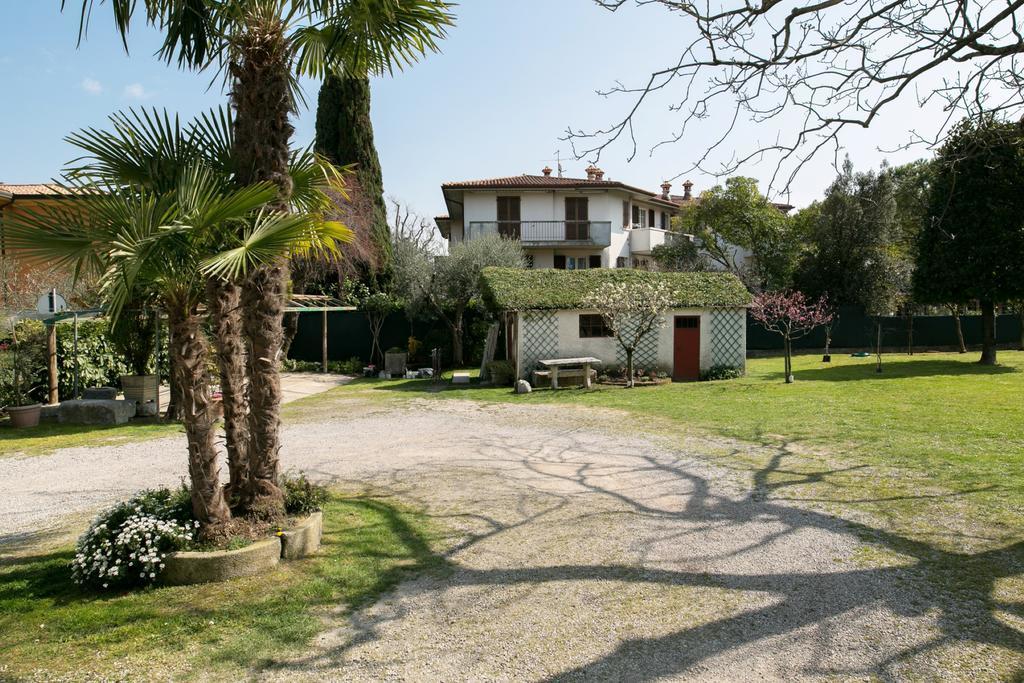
(625, 214)
(508, 217)
(687, 322)
(650, 218)
(529, 260)
(560, 262)
(636, 215)
(595, 260)
(592, 325)
(577, 221)
(622, 262)
(664, 220)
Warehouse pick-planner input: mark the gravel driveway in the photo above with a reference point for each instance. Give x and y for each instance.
(583, 552)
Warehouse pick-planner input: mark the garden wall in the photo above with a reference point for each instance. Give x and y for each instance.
(855, 330)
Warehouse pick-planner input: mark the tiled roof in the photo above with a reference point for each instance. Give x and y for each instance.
(541, 181)
(33, 190)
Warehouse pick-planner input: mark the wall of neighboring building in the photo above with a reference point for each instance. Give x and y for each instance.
(549, 205)
(556, 334)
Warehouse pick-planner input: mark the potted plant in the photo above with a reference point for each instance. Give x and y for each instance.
(16, 374)
(133, 336)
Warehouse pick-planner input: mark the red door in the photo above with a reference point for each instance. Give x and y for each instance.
(686, 349)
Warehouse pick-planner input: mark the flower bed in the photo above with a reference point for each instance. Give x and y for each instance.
(152, 537)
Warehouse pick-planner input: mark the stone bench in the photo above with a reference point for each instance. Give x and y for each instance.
(568, 377)
(95, 412)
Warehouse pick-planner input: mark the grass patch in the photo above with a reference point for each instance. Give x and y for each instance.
(50, 436)
(49, 628)
(934, 432)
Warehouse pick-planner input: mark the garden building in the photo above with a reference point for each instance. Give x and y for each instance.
(544, 317)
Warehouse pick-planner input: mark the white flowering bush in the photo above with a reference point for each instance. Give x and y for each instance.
(126, 545)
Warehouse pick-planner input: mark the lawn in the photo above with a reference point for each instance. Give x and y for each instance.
(50, 436)
(49, 628)
(933, 432)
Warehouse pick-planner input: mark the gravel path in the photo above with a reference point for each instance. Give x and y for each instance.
(581, 553)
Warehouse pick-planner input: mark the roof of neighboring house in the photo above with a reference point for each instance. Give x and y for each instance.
(33, 190)
(530, 182)
(512, 289)
(683, 200)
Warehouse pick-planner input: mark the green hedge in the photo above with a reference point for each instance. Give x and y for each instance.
(509, 289)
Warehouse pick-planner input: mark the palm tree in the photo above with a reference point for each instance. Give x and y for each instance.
(152, 213)
(263, 47)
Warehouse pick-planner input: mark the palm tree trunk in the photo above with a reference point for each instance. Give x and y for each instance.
(188, 360)
(263, 302)
(263, 104)
(225, 307)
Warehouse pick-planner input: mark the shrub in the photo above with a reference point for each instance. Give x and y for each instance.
(301, 496)
(721, 371)
(503, 373)
(352, 366)
(126, 545)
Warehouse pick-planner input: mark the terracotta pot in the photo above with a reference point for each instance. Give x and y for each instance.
(24, 416)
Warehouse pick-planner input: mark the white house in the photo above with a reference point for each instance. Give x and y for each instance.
(544, 318)
(563, 223)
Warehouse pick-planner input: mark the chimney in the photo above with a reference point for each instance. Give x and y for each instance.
(546, 171)
(592, 172)
(598, 174)
(687, 186)
(666, 188)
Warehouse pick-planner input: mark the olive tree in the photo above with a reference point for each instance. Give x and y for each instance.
(448, 283)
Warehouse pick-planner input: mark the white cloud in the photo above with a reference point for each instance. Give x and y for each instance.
(92, 86)
(135, 91)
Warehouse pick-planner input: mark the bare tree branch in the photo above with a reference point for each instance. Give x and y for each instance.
(836, 64)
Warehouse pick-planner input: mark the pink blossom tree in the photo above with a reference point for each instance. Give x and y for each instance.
(791, 315)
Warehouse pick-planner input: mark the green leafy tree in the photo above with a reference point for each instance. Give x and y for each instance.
(738, 215)
(263, 47)
(449, 283)
(971, 244)
(679, 254)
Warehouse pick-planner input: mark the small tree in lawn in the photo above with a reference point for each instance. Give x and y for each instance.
(377, 306)
(791, 315)
(631, 310)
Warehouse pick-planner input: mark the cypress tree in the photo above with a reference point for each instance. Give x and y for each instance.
(344, 134)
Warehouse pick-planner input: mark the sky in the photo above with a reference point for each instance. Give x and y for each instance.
(512, 76)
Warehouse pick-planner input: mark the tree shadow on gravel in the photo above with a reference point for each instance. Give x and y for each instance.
(956, 590)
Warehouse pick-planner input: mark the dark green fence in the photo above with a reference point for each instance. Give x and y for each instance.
(348, 336)
(855, 330)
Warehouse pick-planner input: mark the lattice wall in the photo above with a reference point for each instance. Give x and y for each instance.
(538, 334)
(646, 354)
(728, 342)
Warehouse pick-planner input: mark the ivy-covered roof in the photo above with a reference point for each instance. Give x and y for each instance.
(512, 289)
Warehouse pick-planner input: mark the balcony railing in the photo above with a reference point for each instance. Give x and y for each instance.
(546, 233)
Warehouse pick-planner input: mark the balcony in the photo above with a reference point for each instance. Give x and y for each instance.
(643, 240)
(546, 233)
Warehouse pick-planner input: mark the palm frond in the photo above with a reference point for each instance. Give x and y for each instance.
(274, 235)
(362, 37)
